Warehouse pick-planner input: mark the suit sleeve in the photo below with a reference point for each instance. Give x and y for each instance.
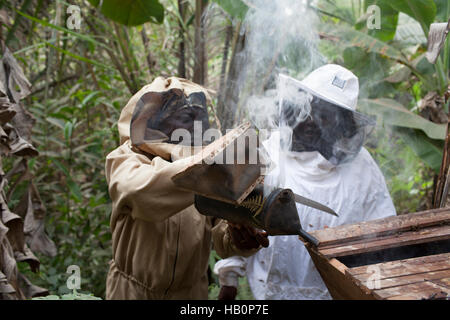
(230, 270)
(143, 186)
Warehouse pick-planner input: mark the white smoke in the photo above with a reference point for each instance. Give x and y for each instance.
(280, 38)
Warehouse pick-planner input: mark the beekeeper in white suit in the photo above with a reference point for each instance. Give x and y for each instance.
(325, 163)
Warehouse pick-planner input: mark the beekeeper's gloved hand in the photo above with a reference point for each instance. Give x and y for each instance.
(247, 238)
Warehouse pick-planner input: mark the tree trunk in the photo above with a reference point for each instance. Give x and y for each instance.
(182, 44)
(145, 41)
(223, 72)
(200, 65)
(229, 103)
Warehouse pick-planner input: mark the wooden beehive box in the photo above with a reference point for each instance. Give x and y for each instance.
(400, 257)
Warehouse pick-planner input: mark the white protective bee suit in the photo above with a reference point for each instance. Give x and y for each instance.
(356, 190)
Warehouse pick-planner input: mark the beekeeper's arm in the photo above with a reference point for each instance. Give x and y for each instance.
(144, 185)
(229, 271)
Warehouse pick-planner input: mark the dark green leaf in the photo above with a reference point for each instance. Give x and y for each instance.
(235, 8)
(393, 113)
(74, 190)
(442, 9)
(424, 11)
(347, 36)
(388, 20)
(131, 12)
(429, 150)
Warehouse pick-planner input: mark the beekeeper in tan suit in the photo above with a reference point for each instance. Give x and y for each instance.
(160, 242)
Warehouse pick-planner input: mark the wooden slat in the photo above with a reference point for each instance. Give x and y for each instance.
(443, 282)
(412, 263)
(402, 239)
(419, 272)
(414, 291)
(339, 285)
(433, 276)
(381, 227)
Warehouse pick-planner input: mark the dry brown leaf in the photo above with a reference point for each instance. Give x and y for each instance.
(432, 108)
(12, 77)
(34, 227)
(16, 230)
(23, 121)
(4, 142)
(28, 257)
(7, 111)
(19, 146)
(30, 290)
(15, 226)
(9, 267)
(436, 39)
(7, 291)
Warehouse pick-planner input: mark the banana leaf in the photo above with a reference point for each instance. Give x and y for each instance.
(349, 37)
(388, 20)
(424, 11)
(131, 12)
(235, 8)
(393, 113)
(429, 150)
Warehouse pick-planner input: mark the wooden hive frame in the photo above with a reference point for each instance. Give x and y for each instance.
(400, 257)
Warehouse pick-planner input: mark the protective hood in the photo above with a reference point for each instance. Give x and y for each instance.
(150, 106)
(320, 123)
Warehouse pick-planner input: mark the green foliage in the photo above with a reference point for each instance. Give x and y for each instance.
(394, 73)
(349, 37)
(74, 135)
(429, 150)
(409, 180)
(131, 12)
(442, 10)
(424, 11)
(70, 296)
(388, 23)
(235, 8)
(393, 113)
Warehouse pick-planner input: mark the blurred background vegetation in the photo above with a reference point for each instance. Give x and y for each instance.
(81, 79)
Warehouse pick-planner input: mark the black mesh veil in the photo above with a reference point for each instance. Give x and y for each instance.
(319, 124)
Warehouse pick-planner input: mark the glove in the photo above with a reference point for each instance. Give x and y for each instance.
(227, 293)
(247, 238)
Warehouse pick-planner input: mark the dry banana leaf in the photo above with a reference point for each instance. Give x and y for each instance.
(34, 226)
(17, 229)
(14, 223)
(9, 268)
(7, 292)
(30, 290)
(19, 146)
(28, 257)
(436, 39)
(23, 121)
(7, 111)
(12, 77)
(4, 142)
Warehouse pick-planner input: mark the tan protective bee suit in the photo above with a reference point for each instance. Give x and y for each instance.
(160, 242)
